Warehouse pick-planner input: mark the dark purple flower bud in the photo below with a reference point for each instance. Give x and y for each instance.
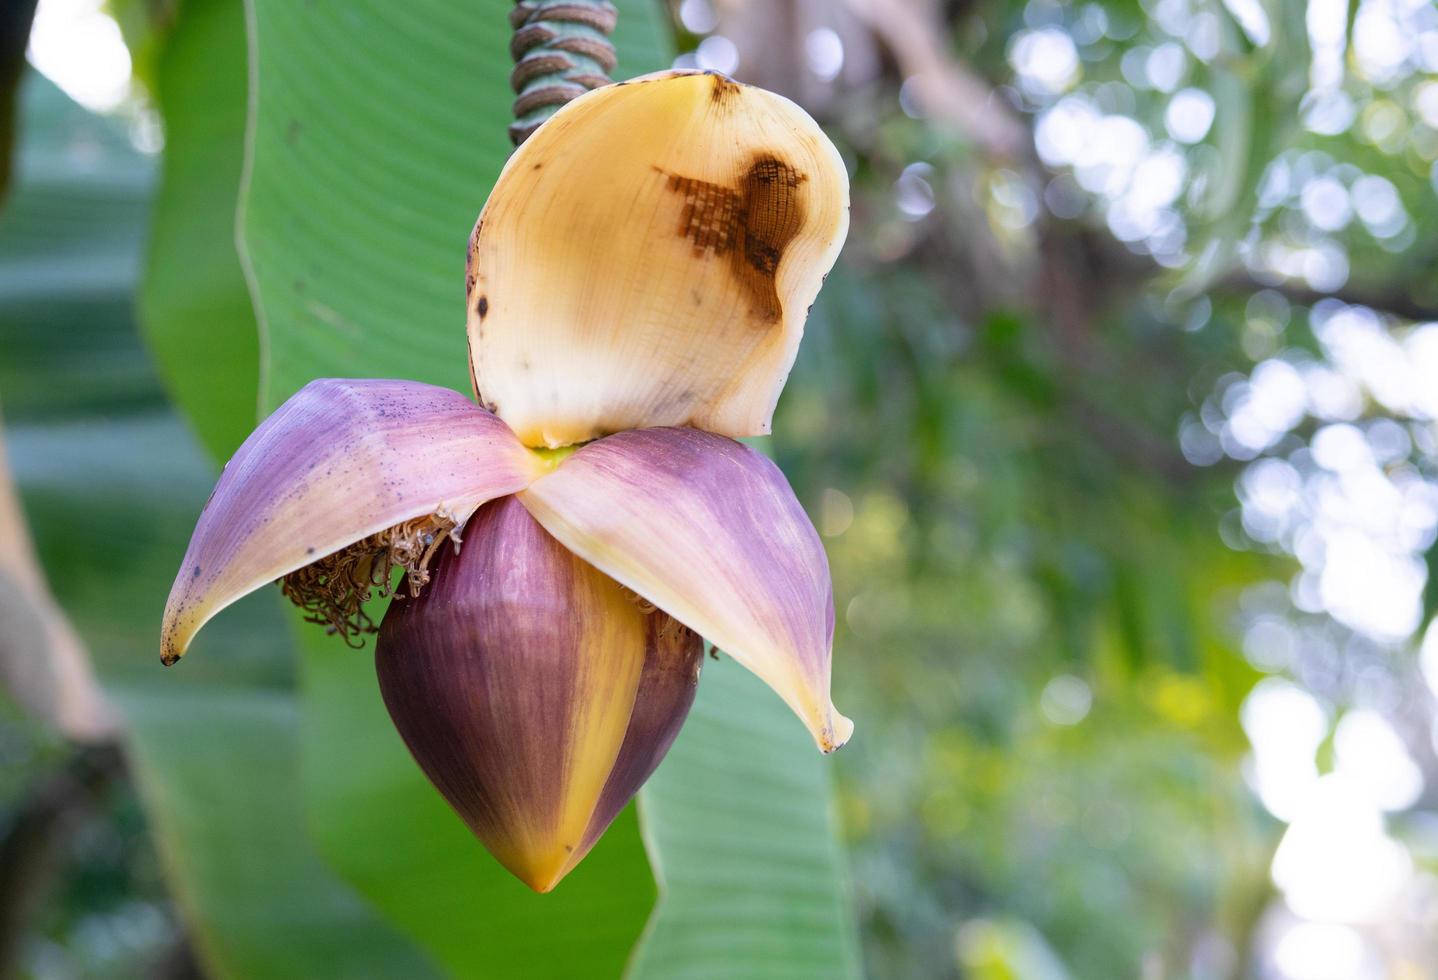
(535, 692)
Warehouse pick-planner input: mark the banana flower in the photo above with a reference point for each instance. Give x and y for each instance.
(637, 286)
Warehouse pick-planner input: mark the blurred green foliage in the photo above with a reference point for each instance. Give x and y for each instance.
(1046, 585)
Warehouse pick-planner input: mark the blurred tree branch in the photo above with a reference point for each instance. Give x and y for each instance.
(15, 19)
(1076, 272)
(44, 666)
(1394, 299)
(914, 32)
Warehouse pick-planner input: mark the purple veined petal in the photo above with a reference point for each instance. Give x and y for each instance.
(533, 691)
(708, 530)
(339, 461)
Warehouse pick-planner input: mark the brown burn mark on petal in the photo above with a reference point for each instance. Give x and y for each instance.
(711, 216)
(724, 90)
(773, 215)
(751, 225)
(471, 273)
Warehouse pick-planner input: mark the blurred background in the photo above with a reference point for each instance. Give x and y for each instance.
(1117, 418)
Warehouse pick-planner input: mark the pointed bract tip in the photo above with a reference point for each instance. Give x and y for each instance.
(539, 873)
(175, 637)
(836, 734)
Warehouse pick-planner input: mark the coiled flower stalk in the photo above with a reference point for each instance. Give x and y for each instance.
(561, 49)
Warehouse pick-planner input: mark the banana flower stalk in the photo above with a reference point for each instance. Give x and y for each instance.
(637, 287)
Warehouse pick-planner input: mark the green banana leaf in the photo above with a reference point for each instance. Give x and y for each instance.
(194, 304)
(745, 845)
(111, 482)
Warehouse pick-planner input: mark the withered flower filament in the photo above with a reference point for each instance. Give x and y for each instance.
(332, 591)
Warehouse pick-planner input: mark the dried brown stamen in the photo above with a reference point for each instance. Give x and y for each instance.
(645, 606)
(332, 591)
(669, 627)
(672, 629)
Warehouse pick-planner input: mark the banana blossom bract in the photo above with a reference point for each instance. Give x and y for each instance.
(637, 287)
